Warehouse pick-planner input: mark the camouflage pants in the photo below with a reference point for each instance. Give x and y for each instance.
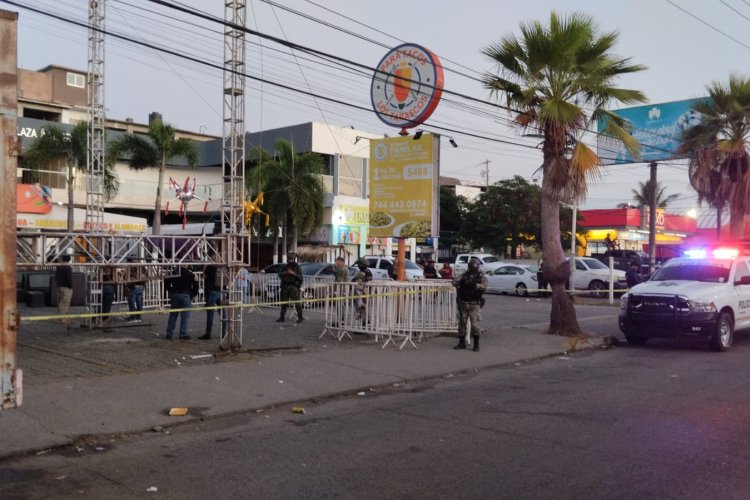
(288, 293)
(469, 312)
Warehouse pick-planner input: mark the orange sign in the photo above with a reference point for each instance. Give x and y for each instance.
(32, 199)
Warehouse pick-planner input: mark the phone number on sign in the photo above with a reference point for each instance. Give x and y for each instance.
(401, 204)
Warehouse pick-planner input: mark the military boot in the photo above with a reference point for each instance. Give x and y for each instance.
(461, 342)
(475, 341)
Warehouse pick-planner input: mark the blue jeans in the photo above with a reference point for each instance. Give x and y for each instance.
(135, 301)
(213, 298)
(179, 301)
(108, 297)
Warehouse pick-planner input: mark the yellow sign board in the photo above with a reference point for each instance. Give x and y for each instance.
(404, 199)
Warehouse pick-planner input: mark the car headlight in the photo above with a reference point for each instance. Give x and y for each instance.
(624, 301)
(697, 306)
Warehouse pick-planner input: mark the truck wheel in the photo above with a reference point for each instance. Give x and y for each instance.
(722, 339)
(634, 339)
(521, 290)
(597, 288)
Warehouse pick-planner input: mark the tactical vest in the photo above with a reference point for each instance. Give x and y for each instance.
(467, 288)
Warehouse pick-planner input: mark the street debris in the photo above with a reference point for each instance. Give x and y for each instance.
(361, 393)
(201, 356)
(298, 409)
(178, 412)
(60, 478)
(152, 489)
(43, 452)
(157, 428)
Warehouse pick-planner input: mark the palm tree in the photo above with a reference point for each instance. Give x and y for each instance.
(718, 149)
(549, 74)
(293, 189)
(645, 193)
(154, 150)
(54, 144)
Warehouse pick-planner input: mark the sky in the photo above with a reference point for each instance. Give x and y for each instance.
(683, 55)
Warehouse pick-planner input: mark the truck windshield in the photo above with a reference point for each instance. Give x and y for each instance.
(490, 259)
(698, 272)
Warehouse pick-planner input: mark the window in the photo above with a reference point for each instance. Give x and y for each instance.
(76, 80)
(741, 271)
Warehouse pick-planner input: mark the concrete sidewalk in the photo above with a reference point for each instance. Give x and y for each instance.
(289, 364)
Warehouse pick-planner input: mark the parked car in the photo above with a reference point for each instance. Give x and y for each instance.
(489, 262)
(512, 278)
(593, 275)
(274, 268)
(384, 265)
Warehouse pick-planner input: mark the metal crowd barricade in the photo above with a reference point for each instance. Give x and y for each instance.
(395, 311)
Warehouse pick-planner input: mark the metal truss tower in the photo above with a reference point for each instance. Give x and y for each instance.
(235, 16)
(95, 143)
(95, 136)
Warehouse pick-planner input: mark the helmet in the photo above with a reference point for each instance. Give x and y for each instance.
(362, 263)
(474, 264)
(291, 255)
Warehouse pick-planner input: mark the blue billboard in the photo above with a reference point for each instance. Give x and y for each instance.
(657, 127)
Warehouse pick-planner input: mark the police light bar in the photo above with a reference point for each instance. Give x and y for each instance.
(716, 253)
(695, 253)
(726, 253)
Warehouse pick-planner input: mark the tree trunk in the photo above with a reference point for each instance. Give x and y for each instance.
(737, 207)
(71, 201)
(718, 223)
(295, 236)
(156, 227)
(284, 237)
(275, 246)
(563, 319)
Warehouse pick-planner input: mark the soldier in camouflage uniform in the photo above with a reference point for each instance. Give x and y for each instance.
(291, 284)
(471, 286)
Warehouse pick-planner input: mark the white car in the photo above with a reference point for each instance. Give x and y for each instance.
(489, 262)
(705, 296)
(592, 275)
(512, 278)
(385, 263)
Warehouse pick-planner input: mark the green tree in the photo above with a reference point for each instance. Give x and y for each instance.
(507, 213)
(646, 192)
(154, 150)
(293, 189)
(718, 148)
(560, 76)
(53, 145)
(452, 213)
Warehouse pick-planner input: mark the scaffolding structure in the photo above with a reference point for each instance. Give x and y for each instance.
(142, 257)
(233, 164)
(95, 142)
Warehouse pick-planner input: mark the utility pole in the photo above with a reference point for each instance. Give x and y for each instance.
(486, 173)
(10, 376)
(652, 218)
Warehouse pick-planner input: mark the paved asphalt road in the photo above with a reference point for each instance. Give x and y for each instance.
(662, 421)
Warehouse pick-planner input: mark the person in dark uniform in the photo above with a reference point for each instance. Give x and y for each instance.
(429, 270)
(181, 290)
(633, 275)
(471, 286)
(212, 290)
(291, 286)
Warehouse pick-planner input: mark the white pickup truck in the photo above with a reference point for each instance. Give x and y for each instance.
(489, 262)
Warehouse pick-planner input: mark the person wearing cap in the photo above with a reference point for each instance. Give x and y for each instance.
(429, 270)
(633, 275)
(470, 287)
(291, 286)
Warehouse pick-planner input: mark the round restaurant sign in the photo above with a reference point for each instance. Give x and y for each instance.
(407, 86)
